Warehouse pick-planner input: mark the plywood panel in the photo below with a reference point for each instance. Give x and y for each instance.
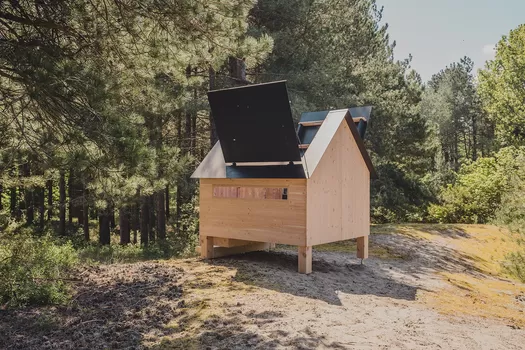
(261, 220)
(338, 206)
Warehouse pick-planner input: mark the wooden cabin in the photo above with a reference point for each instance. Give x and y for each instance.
(266, 182)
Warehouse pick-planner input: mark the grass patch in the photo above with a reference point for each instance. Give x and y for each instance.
(487, 247)
(487, 298)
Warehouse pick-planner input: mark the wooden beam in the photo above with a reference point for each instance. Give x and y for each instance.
(312, 123)
(362, 247)
(357, 120)
(206, 247)
(219, 252)
(305, 259)
(304, 146)
(228, 242)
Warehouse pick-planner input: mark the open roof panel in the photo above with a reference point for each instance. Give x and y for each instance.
(254, 123)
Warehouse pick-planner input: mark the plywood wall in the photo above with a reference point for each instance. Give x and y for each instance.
(338, 196)
(260, 220)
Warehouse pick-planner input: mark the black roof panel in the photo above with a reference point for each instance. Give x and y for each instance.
(254, 123)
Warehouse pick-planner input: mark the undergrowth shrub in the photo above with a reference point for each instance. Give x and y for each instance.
(478, 192)
(33, 269)
(515, 265)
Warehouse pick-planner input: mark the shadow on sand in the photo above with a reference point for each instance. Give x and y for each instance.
(278, 271)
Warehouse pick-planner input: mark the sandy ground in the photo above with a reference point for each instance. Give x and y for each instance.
(259, 301)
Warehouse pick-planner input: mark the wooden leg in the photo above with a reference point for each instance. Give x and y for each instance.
(206, 247)
(362, 247)
(305, 260)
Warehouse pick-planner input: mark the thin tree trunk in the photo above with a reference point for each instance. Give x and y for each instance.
(213, 130)
(161, 216)
(71, 196)
(49, 185)
(135, 217)
(193, 140)
(474, 138)
(13, 201)
(167, 197)
(104, 230)
(152, 217)
(62, 210)
(112, 217)
(144, 221)
(178, 206)
(124, 225)
(85, 214)
(28, 196)
(178, 199)
(42, 207)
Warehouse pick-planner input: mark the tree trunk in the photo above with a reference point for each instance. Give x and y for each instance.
(112, 217)
(124, 224)
(178, 188)
(71, 196)
(42, 207)
(13, 201)
(193, 140)
(474, 138)
(104, 231)
(144, 221)
(178, 206)
(49, 185)
(135, 221)
(28, 196)
(167, 197)
(213, 130)
(161, 216)
(151, 226)
(85, 214)
(62, 210)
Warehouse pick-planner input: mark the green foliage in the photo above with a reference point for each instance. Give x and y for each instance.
(32, 270)
(502, 87)
(398, 196)
(515, 265)
(477, 194)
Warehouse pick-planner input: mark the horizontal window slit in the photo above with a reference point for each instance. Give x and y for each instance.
(250, 192)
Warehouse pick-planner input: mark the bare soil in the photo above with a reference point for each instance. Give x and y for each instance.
(403, 297)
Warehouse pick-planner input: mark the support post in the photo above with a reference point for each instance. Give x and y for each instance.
(305, 259)
(362, 247)
(206, 247)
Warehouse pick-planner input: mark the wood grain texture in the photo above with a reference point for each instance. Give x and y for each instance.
(219, 252)
(305, 259)
(362, 247)
(206, 250)
(315, 152)
(272, 221)
(338, 196)
(228, 243)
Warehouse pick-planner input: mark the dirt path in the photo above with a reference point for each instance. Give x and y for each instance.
(400, 299)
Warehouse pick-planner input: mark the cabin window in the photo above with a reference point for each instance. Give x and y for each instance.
(250, 192)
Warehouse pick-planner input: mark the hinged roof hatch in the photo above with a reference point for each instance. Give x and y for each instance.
(254, 124)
